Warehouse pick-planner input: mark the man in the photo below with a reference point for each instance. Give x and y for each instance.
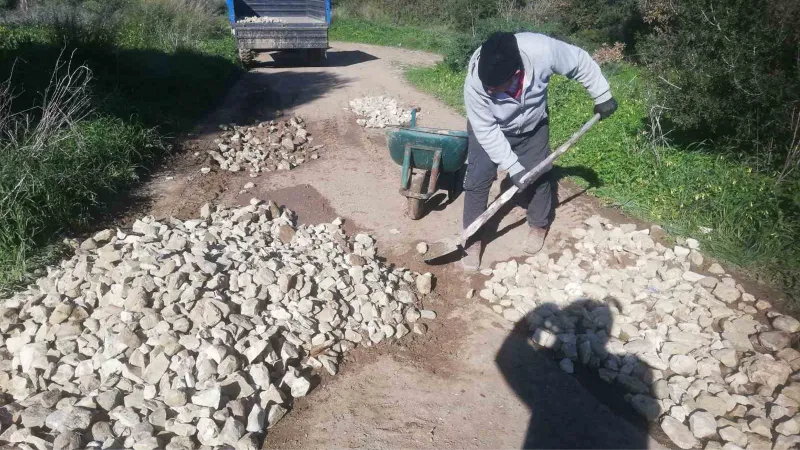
(506, 98)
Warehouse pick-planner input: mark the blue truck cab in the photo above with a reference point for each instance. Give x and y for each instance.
(264, 25)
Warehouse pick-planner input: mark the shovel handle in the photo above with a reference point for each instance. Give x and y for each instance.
(526, 179)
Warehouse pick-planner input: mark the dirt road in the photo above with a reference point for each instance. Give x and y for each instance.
(443, 389)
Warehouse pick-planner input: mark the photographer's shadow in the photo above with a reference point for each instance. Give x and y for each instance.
(580, 410)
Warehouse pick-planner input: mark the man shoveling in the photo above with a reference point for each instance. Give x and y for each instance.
(506, 98)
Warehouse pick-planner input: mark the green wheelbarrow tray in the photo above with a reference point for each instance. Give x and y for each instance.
(441, 154)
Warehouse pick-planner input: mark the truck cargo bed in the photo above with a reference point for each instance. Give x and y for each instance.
(301, 24)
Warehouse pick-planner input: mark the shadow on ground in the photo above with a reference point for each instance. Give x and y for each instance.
(299, 58)
(567, 411)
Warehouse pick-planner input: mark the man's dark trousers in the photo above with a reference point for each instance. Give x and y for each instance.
(531, 149)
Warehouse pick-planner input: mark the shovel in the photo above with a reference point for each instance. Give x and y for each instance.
(447, 246)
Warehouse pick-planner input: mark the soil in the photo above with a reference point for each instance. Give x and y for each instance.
(440, 389)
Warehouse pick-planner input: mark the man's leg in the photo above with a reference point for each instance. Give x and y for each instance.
(531, 152)
(481, 172)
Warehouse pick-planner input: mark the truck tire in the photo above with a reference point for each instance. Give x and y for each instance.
(246, 57)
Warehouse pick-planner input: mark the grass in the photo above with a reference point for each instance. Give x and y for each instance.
(739, 216)
(359, 30)
(92, 102)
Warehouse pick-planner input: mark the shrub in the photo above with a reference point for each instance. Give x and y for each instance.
(171, 24)
(609, 54)
(603, 21)
(728, 72)
(58, 161)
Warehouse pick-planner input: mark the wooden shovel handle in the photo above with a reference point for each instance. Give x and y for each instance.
(526, 179)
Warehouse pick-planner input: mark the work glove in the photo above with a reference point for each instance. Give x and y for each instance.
(606, 108)
(517, 179)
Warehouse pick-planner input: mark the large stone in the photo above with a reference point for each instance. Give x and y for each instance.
(101, 431)
(764, 370)
(231, 432)
(35, 416)
(678, 433)
(68, 440)
(725, 293)
(297, 383)
(739, 341)
(703, 424)
(248, 442)
(255, 420)
(789, 427)
(786, 442)
(156, 369)
(207, 432)
(774, 340)
(792, 391)
(68, 419)
(181, 443)
(786, 323)
(275, 414)
(683, 364)
(727, 356)
(424, 283)
(175, 398)
(713, 404)
(761, 426)
(734, 436)
(646, 406)
(209, 398)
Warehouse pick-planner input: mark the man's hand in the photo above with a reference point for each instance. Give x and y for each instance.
(517, 179)
(606, 108)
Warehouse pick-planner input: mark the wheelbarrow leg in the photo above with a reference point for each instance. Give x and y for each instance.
(415, 207)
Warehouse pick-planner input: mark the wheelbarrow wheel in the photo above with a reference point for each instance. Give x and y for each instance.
(415, 207)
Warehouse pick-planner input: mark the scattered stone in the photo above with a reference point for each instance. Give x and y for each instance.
(734, 436)
(716, 269)
(380, 112)
(789, 427)
(725, 293)
(774, 340)
(422, 248)
(786, 323)
(424, 283)
(703, 424)
(266, 147)
(765, 370)
(678, 433)
(683, 364)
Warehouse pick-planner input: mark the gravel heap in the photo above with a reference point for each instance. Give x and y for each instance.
(178, 334)
(380, 112)
(695, 352)
(269, 146)
(262, 19)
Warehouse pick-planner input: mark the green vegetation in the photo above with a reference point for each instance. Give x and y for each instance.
(386, 34)
(95, 93)
(739, 214)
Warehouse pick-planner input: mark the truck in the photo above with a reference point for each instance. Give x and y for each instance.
(266, 25)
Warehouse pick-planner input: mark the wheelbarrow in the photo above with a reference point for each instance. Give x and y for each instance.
(437, 155)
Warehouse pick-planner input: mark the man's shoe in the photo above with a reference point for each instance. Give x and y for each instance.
(535, 240)
(471, 261)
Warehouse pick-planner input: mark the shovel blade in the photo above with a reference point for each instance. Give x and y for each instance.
(440, 248)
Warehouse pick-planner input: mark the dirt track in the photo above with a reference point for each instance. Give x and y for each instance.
(443, 389)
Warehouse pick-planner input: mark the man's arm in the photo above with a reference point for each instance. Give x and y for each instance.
(488, 132)
(576, 64)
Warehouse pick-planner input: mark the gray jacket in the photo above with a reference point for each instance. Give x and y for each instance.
(492, 118)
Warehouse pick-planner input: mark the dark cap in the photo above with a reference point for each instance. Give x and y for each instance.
(499, 59)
